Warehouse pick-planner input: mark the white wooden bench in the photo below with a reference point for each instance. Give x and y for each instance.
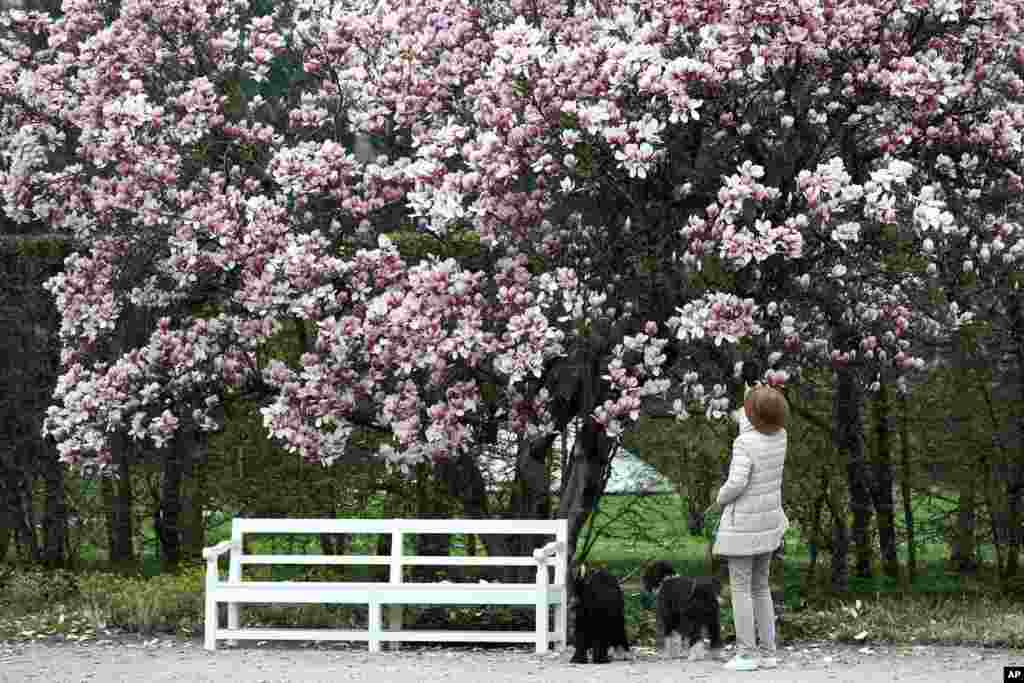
(546, 592)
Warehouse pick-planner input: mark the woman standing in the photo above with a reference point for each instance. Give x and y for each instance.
(752, 525)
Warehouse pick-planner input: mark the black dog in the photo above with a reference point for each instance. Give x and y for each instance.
(600, 616)
(685, 607)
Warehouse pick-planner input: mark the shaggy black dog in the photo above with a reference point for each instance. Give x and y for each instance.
(600, 616)
(685, 608)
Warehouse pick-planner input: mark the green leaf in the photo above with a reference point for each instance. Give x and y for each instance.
(521, 86)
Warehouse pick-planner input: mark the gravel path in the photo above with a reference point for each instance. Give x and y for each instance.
(170, 659)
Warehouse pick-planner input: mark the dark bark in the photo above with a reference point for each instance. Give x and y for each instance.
(167, 517)
(814, 543)
(705, 479)
(5, 530)
(1013, 521)
(882, 485)
(1014, 486)
(850, 442)
(120, 526)
(193, 502)
(55, 517)
(465, 483)
(106, 486)
(840, 581)
(29, 364)
(906, 493)
(6, 516)
(383, 547)
(10, 507)
(335, 544)
(431, 505)
(963, 551)
(531, 498)
(25, 523)
(591, 451)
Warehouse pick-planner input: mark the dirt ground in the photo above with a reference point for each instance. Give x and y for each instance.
(173, 659)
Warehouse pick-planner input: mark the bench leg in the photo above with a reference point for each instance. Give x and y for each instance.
(233, 620)
(395, 616)
(210, 625)
(374, 626)
(559, 627)
(542, 624)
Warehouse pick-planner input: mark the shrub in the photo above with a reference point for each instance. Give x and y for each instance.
(32, 588)
(168, 602)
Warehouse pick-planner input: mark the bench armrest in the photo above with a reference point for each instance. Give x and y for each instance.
(217, 550)
(552, 549)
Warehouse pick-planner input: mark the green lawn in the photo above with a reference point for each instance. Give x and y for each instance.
(634, 531)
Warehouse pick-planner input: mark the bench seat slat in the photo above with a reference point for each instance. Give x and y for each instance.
(421, 560)
(386, 526)
(284, 592)
(316, 559)
(394, 636)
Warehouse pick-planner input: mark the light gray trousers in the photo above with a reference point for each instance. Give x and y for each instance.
(752, 604)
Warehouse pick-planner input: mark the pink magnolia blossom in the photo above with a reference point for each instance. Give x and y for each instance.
(157, 136)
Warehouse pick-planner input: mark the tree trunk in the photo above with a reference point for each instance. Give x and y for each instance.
(840, 537)
(815, 542)
(9, 508)
(586, 479)
(591, 451)
(383, 547)
(167, 520)
(882, 486)
(466, 483)
(1013, 521)
(25, 525)
(850, 442)
(531, 497)
(430, 505)
(55, 517)
(701, 494)
(193, 501)
(120, 526)
(906, 492)
(107, 496)
(1014, 485)
(1015, 477)
(963, 552)
(5, 533)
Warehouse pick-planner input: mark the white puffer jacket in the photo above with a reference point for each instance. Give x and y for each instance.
(753, 521)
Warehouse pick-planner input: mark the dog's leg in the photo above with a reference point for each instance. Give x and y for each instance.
(659, 631)
(696, 642)
(673, 645)
(582, 645)
(715, 633)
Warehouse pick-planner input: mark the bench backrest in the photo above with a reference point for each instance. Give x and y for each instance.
(557, 530)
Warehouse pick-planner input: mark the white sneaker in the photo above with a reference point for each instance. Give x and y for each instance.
(741, 663)
(768, 662)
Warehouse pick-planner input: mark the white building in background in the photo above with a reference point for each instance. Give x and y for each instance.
(630, 475)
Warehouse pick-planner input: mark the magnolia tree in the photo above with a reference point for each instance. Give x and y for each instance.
(652, 188)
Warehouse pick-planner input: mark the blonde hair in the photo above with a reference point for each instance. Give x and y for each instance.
(767, 409)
